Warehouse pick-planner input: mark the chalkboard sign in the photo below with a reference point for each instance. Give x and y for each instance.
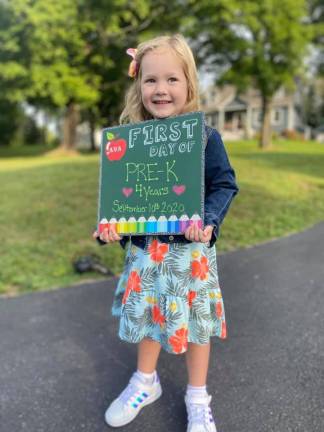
(152, 176)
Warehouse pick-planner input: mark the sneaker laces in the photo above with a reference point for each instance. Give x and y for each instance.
(199, 410)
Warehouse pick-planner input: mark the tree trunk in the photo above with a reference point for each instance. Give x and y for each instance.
(92, 132)
(265, 138)
(44, 130)
(71, 119)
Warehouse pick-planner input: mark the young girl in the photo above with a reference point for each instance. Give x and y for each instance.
(168, 294)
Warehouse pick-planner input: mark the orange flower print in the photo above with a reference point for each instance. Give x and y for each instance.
(133, 284)
(219, 309)
(191, 296)
(179, 341)
(158, 250)
(224, 330)
(200, 268)
(157, 316)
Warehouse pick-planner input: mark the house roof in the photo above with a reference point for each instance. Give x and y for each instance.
(236, 105)
(226, 98)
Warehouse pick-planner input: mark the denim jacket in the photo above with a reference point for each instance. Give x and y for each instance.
(220, 189)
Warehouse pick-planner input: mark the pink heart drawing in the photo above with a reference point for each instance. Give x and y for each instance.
(179, 189)
(127, 191)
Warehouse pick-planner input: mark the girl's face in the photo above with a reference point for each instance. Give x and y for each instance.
(164, 85)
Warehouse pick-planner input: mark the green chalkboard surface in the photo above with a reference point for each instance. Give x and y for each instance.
(152, 175)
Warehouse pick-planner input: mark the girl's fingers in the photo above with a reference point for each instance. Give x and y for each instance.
(204, 238)
(196, 232)
(206, 234)
(104, 235)
(118, 237)
(187, 233)
(208, 229)
(113, 236)
(201, 236)
(192, 233)
(109, 235)
(95, 234)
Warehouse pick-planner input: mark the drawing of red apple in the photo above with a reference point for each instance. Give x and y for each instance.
(115, 147)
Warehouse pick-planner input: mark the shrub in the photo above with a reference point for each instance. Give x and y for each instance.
(293, 135)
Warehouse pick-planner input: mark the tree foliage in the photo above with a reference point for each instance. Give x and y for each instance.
(316, 21)
(13, 72)
(70, 54)
(111, 34)
(43, 55)
(252, 43)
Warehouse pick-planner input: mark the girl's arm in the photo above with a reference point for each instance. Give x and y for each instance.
(220, 184)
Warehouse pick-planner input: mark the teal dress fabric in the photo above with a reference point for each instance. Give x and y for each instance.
(171, 294)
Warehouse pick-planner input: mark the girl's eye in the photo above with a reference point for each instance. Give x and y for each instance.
(173, 79)
(150, 80)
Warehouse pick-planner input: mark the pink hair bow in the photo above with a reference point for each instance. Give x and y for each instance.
(133, 66)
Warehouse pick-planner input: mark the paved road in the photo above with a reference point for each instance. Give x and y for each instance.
(61, 362)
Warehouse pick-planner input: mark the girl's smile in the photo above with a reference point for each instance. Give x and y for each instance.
(164, 85)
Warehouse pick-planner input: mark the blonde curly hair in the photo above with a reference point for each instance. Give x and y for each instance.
(134, 110)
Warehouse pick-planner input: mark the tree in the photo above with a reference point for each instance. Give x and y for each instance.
(42, 60)
(313, 102)
(316, 22)
(252, 43)
(109, 35)
(73, 53)
(59, 78)
(13, 76)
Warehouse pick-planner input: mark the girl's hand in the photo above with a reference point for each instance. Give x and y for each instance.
(193, 233)
(108, 235)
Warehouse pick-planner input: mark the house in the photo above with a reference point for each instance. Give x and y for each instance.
(238, 115)
(318, 134)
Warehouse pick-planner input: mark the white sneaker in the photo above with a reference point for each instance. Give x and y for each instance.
(200, 418)
(136, 395)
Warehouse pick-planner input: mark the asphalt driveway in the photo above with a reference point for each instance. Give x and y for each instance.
(61, 362)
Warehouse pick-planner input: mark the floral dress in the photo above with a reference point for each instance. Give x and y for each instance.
(170, 293)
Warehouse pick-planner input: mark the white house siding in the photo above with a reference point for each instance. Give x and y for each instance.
(222, 101)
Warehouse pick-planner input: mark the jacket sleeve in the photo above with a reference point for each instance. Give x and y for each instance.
(220, 183)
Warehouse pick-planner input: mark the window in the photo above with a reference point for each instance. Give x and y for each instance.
(276, 116)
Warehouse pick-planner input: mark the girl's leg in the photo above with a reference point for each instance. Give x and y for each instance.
(197, 399)
(144, 387)
(197, 359)
(147, 355)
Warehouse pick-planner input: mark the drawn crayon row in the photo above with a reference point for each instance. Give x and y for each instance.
(151, 225)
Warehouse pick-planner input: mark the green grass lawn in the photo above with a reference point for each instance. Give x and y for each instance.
(49, 207)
